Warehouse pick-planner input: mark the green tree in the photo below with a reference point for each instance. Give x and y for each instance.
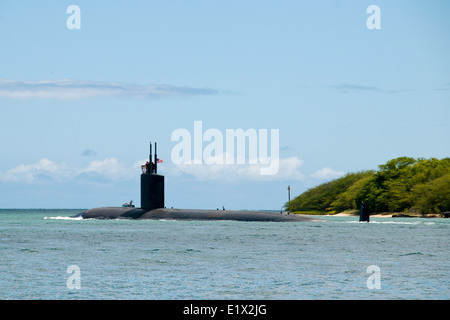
(346, 200)
(401, 184)
(434, 196)
(321, 197)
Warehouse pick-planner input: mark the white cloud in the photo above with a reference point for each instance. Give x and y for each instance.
(44, 168)
(65, 89)
(112, 170)
(109, 169)
(327, 173)
(288, 170)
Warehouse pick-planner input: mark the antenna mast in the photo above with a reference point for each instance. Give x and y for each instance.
(150, 156)
(156, 160)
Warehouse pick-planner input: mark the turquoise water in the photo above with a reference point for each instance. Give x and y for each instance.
(130, 259)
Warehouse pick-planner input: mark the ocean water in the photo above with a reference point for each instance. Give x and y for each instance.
(131, 259)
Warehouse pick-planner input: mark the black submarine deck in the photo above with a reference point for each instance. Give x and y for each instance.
(190, 214)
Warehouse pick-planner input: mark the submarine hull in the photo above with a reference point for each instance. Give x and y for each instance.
(189, 214)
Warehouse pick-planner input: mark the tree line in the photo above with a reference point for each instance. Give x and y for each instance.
(402, 184)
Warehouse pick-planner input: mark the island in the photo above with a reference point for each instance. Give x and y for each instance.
(402, 187)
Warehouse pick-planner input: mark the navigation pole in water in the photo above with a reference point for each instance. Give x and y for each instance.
(364, 213)
(152, 184)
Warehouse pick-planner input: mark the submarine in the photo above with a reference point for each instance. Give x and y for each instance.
(153, 207)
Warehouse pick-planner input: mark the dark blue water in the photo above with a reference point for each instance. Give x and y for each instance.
(129, 259)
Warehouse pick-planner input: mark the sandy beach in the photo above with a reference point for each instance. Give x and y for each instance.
(386, 215)
(350, 214)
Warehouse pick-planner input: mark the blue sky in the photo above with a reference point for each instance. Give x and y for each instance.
(79, 107)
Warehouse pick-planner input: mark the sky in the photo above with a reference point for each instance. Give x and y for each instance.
(79, 106)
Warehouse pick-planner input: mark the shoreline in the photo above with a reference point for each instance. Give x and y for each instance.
(388, 215)
(344, 214)
(355, 213)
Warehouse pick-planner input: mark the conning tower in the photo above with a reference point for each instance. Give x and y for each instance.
(152, 184)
